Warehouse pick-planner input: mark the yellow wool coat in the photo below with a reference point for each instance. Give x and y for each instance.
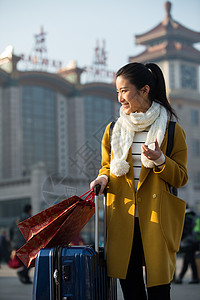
(161, 214)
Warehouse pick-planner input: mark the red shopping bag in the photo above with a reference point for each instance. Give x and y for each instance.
(38, 222)
(63, 225)
(14, 261)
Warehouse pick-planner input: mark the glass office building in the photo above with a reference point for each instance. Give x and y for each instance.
(39, 128)
(50, 136)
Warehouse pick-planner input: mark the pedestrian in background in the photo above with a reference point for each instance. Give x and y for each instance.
(17, 241)
(144, 220)
(4, 248)
(189, 246)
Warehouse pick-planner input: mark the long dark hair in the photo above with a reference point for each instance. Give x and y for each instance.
(150, 74)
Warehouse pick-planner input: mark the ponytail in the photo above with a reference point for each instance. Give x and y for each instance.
(158, 93)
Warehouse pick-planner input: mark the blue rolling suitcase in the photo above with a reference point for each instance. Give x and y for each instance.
(74, 272)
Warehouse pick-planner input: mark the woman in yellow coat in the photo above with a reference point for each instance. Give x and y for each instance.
(144, 220)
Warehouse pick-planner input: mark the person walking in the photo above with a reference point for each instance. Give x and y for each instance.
(17, 241)
(189, 246)
(4, 247)
(144, 220)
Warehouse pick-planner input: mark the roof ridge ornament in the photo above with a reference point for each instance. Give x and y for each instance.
(168, 6)
(168, 18)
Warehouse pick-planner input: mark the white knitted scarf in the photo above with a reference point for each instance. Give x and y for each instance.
(124, 131)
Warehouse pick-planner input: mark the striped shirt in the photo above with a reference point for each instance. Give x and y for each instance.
(139, 139)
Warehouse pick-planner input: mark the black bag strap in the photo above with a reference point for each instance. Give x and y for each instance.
(111, 129)
(170, 144)
(170, 138)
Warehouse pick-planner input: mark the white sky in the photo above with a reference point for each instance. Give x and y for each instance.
(74, 26)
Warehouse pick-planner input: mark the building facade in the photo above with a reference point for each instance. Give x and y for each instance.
(171, 46)
(52, 126)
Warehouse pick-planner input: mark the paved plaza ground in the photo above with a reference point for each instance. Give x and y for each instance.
(11, 288)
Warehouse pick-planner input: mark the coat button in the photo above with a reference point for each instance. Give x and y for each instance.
(139, 199)
(154, 196)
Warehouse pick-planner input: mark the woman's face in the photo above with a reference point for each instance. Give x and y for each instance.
(131, 99)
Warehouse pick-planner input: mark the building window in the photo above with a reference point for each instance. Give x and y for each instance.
(194, 114)
(98, 111)
(39, 123)
(171, 76)
(188, 77)
(197, 180)
(195, 147)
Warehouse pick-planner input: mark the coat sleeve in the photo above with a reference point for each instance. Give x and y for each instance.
(106, 153)
(175, 170)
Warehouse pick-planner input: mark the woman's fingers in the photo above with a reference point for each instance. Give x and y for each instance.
(102, 181)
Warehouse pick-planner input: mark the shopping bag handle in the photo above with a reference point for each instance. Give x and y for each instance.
(89, 199)
(88, 193)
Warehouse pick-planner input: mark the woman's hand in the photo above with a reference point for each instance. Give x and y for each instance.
(152, 154)
(99, 180)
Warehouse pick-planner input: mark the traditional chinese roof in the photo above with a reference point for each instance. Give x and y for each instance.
(168, 50)
(168, 29)
(169, 39)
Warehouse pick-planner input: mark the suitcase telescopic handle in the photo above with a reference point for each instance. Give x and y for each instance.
(96, 191)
